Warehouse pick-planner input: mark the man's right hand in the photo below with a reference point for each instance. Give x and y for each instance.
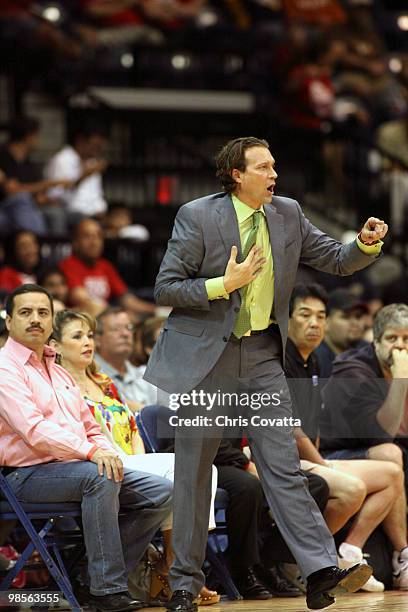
(399, 367)
(238, 275)
(110, 461)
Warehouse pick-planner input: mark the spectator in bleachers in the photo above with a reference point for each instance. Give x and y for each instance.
(24, 23)
(54, 451)
(114, 343)
(362, 70)
(92, 280)
(382, 483)
(118, 223)
(117, 23)
(365, 402)
(344, 328)
(83, 162)
(324, 14)
(171, 13)
(73, 339)
(22, 261)
(23, 191)
(54, 281)
(392, 140)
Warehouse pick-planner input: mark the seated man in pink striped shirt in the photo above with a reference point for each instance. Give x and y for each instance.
(53, 451)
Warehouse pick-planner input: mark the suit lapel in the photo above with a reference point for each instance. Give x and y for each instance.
(227, 225)
(277, 238)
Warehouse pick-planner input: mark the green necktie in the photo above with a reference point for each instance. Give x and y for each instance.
(243, 320)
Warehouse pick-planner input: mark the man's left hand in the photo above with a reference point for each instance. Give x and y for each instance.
(374, 229)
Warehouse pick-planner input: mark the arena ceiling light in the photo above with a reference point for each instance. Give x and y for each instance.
(403, 22)
(395, 64)
(180, 61)
(52, 12)
(207, 18)
(127, 60)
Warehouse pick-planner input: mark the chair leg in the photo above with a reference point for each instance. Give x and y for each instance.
(37, 543)
(222, 573)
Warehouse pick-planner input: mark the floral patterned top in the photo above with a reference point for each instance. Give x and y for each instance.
(116, 420)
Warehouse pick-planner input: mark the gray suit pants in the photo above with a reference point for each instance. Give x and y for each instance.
(248, 367)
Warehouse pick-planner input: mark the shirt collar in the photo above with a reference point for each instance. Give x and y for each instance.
(294, 352)
(242, 210)
(23, 353)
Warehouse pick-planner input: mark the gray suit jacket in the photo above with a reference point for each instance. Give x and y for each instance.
(197, 330)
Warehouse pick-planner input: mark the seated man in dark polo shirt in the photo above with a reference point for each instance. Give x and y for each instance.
(381, 484)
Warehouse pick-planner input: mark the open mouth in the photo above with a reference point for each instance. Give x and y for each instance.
(270, 189)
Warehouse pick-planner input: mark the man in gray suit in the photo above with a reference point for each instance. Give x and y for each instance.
(228, 273)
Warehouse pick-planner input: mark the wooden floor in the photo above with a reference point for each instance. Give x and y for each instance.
(395, 601)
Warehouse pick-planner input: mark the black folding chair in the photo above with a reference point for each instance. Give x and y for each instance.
(45, 539)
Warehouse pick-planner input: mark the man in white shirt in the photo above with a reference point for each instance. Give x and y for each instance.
(83, 163)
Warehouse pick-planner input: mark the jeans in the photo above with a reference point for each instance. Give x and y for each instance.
(114, 544)
(20, 212)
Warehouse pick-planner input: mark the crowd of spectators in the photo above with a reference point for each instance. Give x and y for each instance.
(349, 393)
(328, 74)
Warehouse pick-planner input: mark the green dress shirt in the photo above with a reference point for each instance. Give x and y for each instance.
(260, 293)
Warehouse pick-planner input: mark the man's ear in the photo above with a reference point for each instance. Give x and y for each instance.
(236, 175)
(8, 322)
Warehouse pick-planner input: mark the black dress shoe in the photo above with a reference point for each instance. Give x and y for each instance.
(276, 583)
(114, 602)
(182, 601)
(250, 587)
(325, 583)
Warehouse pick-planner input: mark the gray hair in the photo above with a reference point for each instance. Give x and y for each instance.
(393, 315)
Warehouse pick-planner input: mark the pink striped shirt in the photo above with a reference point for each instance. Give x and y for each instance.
(42, 414)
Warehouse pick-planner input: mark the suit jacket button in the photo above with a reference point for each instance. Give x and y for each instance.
(236, 309)
(225, 339)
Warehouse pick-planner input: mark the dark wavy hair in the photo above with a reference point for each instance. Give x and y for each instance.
(232, 155)
(21, 290)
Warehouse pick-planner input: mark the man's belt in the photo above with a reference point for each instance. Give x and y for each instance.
(259, 332)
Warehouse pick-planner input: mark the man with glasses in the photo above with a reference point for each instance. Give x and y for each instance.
(114, 342)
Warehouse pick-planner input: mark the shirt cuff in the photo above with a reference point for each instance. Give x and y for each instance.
(369, 249)
(215, 288)
(92, 452)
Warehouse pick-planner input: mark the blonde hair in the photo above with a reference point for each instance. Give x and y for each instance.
(61, 320)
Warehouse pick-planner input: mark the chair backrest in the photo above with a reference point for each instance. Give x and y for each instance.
(154, 428)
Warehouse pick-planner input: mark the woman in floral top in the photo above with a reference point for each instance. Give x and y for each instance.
(73, 340)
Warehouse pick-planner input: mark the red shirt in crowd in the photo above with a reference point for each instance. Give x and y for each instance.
(100, 279)
(10, 279)
(122, 17)
(319, 12)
